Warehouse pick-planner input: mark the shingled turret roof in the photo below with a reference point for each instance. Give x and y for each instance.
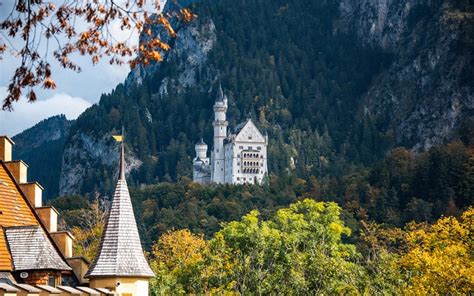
(120, 252)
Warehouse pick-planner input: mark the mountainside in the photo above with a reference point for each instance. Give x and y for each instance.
(333, 83)
(41, 147)
(426, 94)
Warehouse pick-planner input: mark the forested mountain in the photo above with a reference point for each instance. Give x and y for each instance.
(41, 147)
(333, 83)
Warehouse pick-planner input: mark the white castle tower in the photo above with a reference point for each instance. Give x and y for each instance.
(220, 133)
(201, 168)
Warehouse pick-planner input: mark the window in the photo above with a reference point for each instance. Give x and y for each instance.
(52, 281)
(222, 169)
(217, 150)
(238, 171)
(250, 137)
(259, 148)
(241, 147)
(250, 148)
(238, 178)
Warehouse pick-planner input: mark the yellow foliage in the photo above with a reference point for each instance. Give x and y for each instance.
(176, 249)
(439, 257)
(88, 236)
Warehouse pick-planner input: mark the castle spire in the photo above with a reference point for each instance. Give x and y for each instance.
(220, 94)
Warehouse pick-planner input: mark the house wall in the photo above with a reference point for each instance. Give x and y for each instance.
(39, 277)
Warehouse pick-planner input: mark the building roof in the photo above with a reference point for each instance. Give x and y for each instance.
(31, 249)
(28, 288)
(74, 291)
(49, 289)
(220, 94)
(8, 288)
(240, 126)
(120, 252)
(15, 211)
(201, 143)
(88, 290)
(105, 291)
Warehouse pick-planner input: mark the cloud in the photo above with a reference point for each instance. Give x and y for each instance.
(25, 114)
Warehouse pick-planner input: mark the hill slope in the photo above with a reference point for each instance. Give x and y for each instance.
(41, 147)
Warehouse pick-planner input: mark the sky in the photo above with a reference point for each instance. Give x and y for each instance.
(75, 92)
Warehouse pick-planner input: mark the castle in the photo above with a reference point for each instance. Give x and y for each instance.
(237, 158)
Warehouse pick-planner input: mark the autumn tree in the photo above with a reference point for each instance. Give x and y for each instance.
(34, 29)
(175, 259)
(440, 258)
(298, 251)
(88, 234)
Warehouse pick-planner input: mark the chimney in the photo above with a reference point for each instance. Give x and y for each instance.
(79, 266)
(6, 148)
(49, 217)
(19, 170)
(63, 240)
(34, 193)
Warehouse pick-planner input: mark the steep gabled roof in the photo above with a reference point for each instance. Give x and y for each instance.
(31, 249)
(17, 212)
(248, 128)
(120, 252)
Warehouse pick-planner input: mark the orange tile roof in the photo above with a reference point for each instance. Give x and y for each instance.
(14, 211)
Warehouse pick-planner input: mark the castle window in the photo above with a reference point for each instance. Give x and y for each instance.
(241, 147)
(259, 148)
(238, 178)
(222, 169)
(250, 137)
(250, 148)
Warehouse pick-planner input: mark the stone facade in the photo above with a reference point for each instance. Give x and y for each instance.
(236, 158)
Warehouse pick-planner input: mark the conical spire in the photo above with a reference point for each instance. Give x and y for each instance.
(120, 252)
(122, 162)
(220, 94)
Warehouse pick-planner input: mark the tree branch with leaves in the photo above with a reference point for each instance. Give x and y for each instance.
(34, 29)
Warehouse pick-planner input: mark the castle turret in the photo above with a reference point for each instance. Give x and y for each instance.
(201, 149)
(220, 133)
(201, 169)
